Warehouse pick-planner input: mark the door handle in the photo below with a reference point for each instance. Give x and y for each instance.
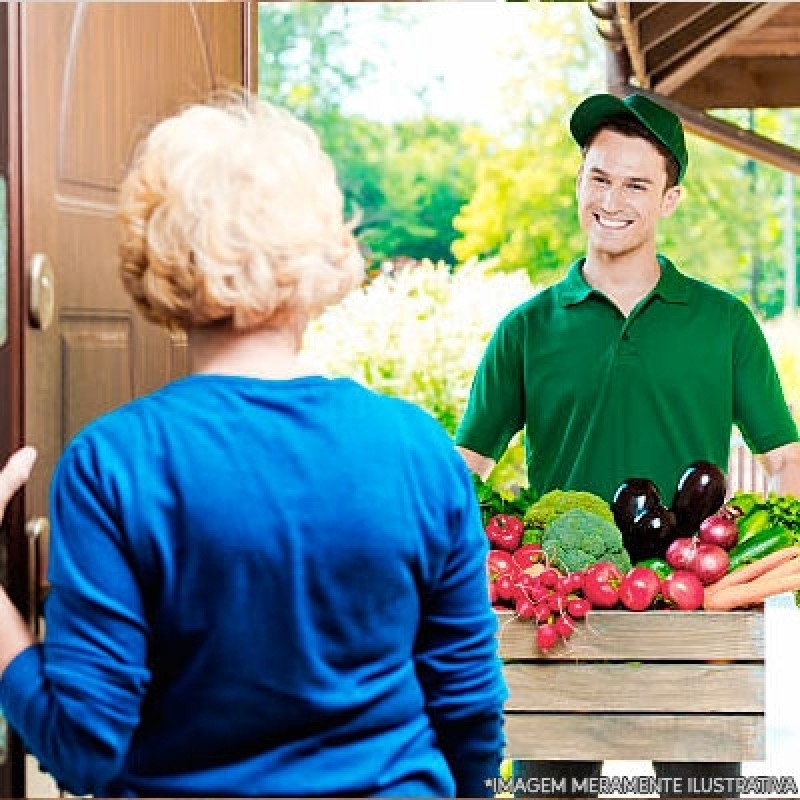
(41, 291)
(37, 529)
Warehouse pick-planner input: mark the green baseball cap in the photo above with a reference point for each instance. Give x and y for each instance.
(660, 121)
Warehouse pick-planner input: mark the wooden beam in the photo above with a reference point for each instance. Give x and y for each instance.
(630, 35)
(768, 42)
(744, 83)
(706, 55)
(669, 17)
(725, 134)
(641, 10)
(687, 42)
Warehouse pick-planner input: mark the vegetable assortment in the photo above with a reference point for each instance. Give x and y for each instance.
(555, 558)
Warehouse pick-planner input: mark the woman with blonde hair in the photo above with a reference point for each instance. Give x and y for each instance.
(264, 581)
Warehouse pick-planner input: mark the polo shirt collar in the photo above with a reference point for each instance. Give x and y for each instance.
(672, 286)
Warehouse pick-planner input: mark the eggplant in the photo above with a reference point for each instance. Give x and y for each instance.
(651, 533)
(632, 497)
(699, 494)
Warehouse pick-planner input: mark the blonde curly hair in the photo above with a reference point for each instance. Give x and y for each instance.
(231, 213)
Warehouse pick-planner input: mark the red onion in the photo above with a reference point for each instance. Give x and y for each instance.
(710, 563)
(680, 553)
(719, 530)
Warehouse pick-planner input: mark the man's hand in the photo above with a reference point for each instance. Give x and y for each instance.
(783, 466)
(480, 465)
(14, 475)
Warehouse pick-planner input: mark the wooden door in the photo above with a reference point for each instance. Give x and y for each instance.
(93, 76)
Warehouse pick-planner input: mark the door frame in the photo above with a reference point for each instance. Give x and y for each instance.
(12, 362)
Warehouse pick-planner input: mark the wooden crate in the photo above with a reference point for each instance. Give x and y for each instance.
(655, 685)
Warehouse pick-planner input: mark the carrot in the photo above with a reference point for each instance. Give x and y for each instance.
(790, 567)
(754, 570)
(752, 593)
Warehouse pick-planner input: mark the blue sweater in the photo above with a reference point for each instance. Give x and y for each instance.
(263, 588)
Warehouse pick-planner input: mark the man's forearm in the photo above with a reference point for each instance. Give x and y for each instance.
(480, 465)
(783, 467)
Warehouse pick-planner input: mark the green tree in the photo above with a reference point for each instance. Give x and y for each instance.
(523, 207)
(405, 180)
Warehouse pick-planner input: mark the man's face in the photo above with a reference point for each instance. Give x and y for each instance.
(622, 194)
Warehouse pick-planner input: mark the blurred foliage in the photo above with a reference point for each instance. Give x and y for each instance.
(406, 180)
(783, 335)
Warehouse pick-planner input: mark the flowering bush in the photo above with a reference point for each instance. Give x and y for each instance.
(419, 333)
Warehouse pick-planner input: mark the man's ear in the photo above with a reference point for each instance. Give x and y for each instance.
(672, 197)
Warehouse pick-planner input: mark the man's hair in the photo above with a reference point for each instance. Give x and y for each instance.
(628, 125)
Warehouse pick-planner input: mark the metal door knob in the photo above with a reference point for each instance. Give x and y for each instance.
(41, 291)
(37, 528)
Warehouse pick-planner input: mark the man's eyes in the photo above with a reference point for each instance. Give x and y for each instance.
(600, 180)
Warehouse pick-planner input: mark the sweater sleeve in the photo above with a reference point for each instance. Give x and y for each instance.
(457, 658)
(75, 699)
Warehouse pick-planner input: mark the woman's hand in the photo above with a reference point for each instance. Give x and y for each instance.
(14, 475)
(14, 634)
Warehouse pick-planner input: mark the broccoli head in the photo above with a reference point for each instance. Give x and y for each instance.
(551, 505)
(578, 538)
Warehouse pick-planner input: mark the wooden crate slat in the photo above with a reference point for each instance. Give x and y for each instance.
(646, 636)
(637, 737)
(644, 687)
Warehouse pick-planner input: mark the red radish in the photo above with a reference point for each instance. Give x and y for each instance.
(505, 531)
(498, 561)
(557, 602)
(710, 563)
(525, 608)
(505, 586)
(528, 555)
(538, 593)
(600, 583)
(719, 529)
(546, 636)
(549, 578)
(564, 626)
(527, 583)
(578, 607)
(575, 581)
(638, 589)
(542, 612)
(683, 590)
(680, 553)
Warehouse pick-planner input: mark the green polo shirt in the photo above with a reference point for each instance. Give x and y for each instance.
(604, 397)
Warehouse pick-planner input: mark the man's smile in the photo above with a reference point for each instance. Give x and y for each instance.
(612, 224)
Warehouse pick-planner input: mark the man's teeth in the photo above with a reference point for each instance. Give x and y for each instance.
(615, 224)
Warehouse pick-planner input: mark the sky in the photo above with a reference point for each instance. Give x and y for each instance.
(455, 50)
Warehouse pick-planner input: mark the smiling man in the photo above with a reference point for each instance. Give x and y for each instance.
(628, 367)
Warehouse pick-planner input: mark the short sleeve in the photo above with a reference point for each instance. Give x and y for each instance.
(759, 406)
(496, 407)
